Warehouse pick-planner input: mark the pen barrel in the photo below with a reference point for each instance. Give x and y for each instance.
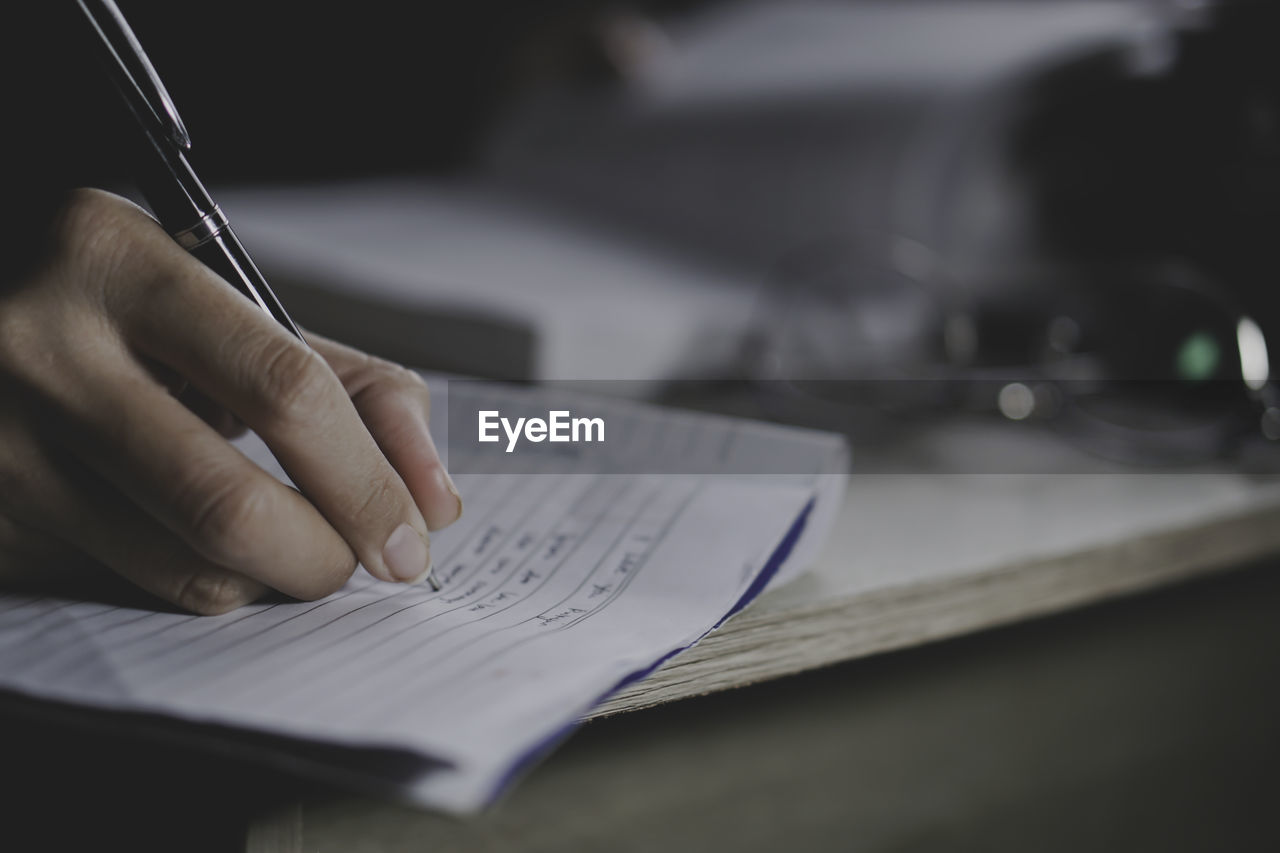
(165, 177)
(184, 207)
(223, 253)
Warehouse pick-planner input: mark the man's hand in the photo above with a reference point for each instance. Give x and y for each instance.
(102, 465)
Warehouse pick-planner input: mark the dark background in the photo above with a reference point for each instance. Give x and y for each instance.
(289, 91)
(1099, 165)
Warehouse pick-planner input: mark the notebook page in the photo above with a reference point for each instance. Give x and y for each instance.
(558, 585)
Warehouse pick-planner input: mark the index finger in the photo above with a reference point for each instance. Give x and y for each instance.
(284, 391)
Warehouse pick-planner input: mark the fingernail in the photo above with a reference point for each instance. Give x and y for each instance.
(445, 480)
(406, 554)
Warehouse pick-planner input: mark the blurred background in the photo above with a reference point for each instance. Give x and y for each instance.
(861, 215)
(1009, 236)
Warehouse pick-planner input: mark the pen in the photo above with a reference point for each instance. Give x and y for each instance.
(164, 175)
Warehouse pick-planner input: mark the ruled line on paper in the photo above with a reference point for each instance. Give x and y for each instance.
(319, 652)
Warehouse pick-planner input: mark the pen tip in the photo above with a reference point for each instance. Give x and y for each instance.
(432, 580)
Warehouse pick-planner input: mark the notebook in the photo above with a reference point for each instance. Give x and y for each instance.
(569, 576)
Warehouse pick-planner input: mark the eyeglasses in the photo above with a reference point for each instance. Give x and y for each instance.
(1149, 363)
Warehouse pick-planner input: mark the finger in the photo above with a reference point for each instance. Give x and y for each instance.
(226, 424)
(99, 526)
(395, 406)
(129, 430)
(284, 391)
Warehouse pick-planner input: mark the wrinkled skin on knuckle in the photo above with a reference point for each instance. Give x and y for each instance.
(405, 380)
(112, 255)
(378, 506)
(393, 401)
(376, 378)
(212, 593)
(97, 238)
(77, 237)
(63, 305)
(294, 382)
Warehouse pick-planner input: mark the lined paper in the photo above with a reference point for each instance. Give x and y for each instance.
(559, 584)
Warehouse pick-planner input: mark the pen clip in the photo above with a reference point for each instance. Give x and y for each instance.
(134, 74)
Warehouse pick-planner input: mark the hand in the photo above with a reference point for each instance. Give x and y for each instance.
(103, 465)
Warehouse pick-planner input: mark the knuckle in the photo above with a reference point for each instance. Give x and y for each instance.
(381, 502)
(406, 378)
(92, 227)
(212, 593)
(108, 249)
(221, 512)
(409, 382)
(377, 377)
(83, 211)
(293, 381)
(87, 250)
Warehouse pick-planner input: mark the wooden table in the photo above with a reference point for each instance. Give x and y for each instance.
(1144, 724)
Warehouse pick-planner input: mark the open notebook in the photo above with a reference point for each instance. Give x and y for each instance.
(563, 581)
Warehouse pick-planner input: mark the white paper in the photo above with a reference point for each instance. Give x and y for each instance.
(557, 588)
